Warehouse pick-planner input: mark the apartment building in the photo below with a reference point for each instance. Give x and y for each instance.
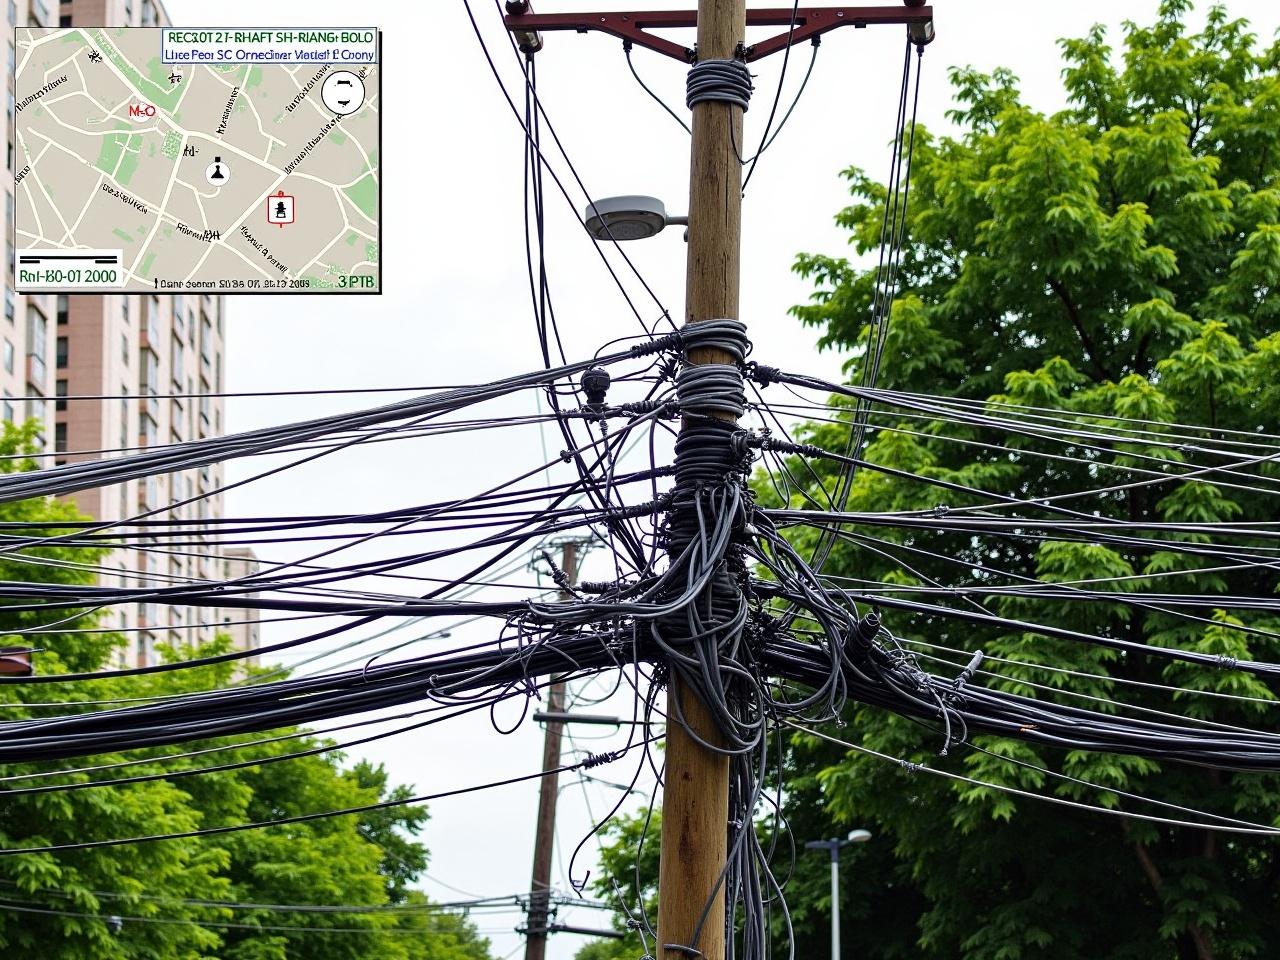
(158, 361)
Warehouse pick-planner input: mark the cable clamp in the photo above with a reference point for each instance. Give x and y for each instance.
(1223, 662)
(761, 373)
(910, 767)
(600, 759)
(670, 341)
(559, 576)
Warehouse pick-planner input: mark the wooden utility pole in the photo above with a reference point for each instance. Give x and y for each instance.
(695, 800)
(535, 946)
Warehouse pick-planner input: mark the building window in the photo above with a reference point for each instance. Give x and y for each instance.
(60, 389)
(8, 410)
(35, 407)
(153, 320)
(124, 349)
(175, 362)
(124, 422)
(64, 308)
(124, 310)
(8, 355)
(206, 340)
(37, 345)
(149, 375)
(64, 20)
(59, 437)
(62, 348)
(8, 305)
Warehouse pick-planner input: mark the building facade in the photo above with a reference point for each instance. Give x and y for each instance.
(114, 372)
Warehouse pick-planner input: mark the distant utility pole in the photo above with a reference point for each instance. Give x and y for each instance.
(535, 945)
(695, 798)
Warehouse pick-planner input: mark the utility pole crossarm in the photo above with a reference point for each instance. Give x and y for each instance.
(810, 22)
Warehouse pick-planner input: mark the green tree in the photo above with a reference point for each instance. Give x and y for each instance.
(628, 877)
(1117, 259)
(368, 860)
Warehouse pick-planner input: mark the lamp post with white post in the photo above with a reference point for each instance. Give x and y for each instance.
(834, 846)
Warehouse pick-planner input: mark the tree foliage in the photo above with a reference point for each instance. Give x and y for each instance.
(69, 897)
(1117, 259)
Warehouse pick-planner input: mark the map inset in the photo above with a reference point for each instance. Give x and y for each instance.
(136, 175)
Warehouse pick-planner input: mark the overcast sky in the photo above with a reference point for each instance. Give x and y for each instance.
(456, 308)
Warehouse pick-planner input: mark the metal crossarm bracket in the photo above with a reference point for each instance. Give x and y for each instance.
(634, 26)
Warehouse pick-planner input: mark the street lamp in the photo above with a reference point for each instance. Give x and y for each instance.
(628, 218)
(834, 846)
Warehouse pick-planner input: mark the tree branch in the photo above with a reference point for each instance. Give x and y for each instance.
(1073, 312)
(1204, 949)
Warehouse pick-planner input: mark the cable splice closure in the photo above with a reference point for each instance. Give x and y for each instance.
(868, 628)
(595, 384)
(967, 673)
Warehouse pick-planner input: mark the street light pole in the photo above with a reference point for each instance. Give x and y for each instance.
(835, 903)
(834, 846)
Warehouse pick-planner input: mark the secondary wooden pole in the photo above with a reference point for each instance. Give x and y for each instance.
(695, 802)
(535, 945)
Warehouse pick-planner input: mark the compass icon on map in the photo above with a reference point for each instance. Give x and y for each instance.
(342, 92)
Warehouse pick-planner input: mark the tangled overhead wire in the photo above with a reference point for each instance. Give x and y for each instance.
(727, 617)
(736, 613)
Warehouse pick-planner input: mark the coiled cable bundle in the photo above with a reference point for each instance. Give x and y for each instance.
(718, 81)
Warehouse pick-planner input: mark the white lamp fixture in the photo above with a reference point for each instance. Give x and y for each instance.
(627, 218)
